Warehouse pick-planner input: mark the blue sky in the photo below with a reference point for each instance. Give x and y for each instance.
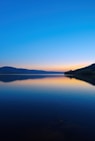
(47, 34)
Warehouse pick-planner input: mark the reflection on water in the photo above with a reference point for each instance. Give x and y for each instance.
(53, 108)
(87, 78)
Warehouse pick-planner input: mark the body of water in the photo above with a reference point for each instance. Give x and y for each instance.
(47, 108)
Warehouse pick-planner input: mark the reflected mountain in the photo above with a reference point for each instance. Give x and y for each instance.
(88, 79)
(10, 78)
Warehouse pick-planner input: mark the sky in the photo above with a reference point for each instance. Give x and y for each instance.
(47, 34)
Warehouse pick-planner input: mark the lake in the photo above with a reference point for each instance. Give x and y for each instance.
(46, 108)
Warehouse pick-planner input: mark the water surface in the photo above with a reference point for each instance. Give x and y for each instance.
(47, 108)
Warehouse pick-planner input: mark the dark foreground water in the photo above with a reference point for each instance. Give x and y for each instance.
(47, 109)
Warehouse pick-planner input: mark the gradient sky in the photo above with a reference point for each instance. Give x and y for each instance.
(47, 34)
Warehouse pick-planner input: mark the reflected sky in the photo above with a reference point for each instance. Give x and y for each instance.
(59, 82)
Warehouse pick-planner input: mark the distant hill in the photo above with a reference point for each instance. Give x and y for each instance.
(89, 70)
(12, 70)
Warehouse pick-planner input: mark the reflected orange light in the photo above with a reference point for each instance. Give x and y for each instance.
(53, 82)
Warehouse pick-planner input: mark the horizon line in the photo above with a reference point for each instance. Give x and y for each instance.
(61, 69)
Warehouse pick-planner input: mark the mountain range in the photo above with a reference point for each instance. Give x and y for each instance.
(12, 70)
(8, 74)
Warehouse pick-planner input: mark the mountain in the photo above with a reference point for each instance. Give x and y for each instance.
(12, 70)
(89, 70)
(86, 74)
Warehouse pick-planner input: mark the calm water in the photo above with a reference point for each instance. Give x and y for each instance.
(47, 108)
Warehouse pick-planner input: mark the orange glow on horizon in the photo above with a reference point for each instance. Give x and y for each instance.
(62, 68)
(59, 68)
